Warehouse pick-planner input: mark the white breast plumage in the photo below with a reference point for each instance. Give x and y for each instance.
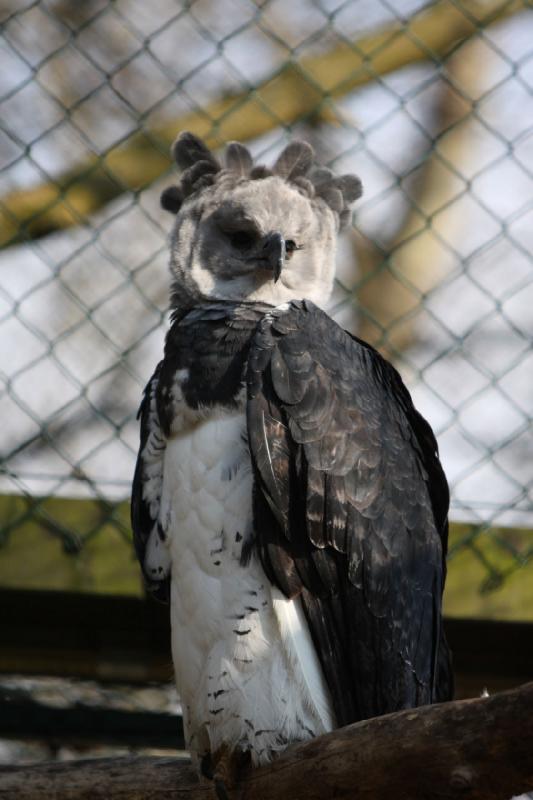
(245, 664)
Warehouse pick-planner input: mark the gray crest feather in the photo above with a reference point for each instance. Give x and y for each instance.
(306, 186)
(203, 182)
(192, 175)
(188, 149)
(259, 172)
(199, 174)
(201, 169)
(171, 199)
(332, 196)
(321, 175)
(294, 161)
(238, 158)
(350, 186)
(337, 191)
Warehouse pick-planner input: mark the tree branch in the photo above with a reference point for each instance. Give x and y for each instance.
(476, 749)
(296, 91)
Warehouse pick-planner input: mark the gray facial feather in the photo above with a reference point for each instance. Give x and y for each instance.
(228, 218)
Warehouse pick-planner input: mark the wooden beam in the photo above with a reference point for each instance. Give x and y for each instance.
(22, 717)
(293, 92)
(489, 654)
(480, 749)
(102, 637)
(127, 639)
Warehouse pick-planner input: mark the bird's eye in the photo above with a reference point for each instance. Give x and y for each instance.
(241, 239)
(291, 246)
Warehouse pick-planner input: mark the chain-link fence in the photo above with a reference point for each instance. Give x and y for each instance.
(430, 103)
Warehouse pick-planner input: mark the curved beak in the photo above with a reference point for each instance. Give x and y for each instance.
(274, 252)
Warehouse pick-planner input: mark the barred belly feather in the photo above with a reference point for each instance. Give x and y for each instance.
(245, 665)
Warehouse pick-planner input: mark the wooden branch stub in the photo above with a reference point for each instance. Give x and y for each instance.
(469, 750)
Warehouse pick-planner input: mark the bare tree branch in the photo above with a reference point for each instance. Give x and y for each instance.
(476, 749)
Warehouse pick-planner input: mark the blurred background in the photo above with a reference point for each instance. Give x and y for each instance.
(431, 104)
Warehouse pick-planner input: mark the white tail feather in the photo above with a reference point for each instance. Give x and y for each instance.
(304, 660)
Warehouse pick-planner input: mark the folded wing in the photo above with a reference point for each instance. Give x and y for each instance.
(146, 496)
(350, 510)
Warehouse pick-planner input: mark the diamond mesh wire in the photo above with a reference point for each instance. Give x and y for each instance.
(431, 104)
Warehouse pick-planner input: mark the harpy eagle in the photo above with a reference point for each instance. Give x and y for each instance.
(288, 499)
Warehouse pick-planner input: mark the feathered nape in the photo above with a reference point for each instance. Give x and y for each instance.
(201, 169)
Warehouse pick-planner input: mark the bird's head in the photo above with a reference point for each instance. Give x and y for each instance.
(248, 233)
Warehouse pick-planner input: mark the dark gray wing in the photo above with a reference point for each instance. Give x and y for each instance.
(146, 495)
(350, 510)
